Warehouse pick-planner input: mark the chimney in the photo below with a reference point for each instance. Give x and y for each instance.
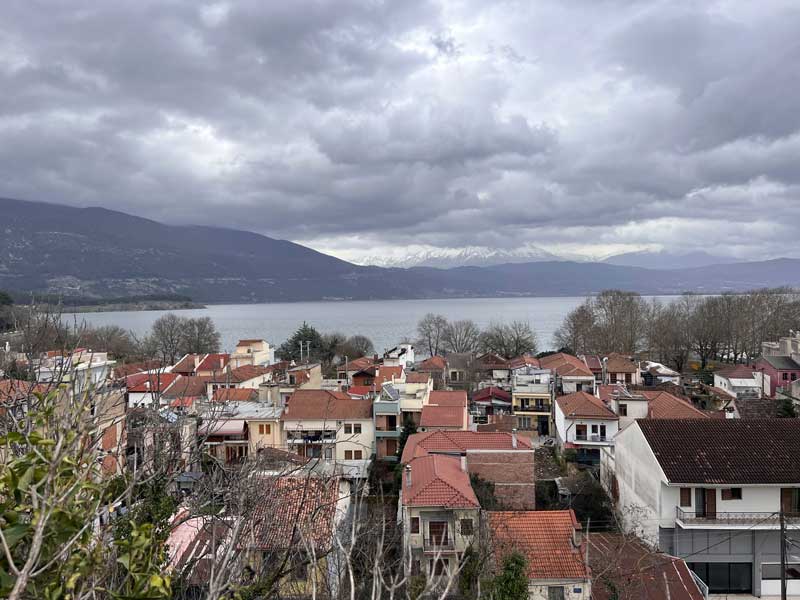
(464, 463)
(196, 360)
(514, 438)
(408, 475)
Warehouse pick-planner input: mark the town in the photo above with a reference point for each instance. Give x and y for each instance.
(654, 454)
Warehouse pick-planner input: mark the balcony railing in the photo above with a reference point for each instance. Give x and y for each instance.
(439, 544)
(582, 437)
(690, 517)
(542, 408)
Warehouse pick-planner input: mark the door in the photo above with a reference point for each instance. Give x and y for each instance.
(699, 502)
(391, 447)
(438, 532)
(790, 500)
(580, 432)
(543, 425)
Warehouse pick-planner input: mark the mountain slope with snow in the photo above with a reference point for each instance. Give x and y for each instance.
(471, 256)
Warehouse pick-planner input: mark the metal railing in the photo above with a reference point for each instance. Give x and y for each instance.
(733, 518)
(440, 544)
(582, 437)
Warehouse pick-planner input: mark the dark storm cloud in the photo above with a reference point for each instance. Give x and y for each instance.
(358, 126)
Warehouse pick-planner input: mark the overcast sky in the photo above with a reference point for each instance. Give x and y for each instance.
(362, 127)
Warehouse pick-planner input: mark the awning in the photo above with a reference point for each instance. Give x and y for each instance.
(223, 427)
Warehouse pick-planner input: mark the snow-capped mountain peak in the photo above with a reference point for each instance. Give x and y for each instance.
(470, 256)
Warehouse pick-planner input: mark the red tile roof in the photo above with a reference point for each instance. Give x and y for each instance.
(736, 372)
(454, 417)
(359, 363)
(12, 390)
(626, 563)
(183, 402)
(417, 377)
(594, 362)
(360, 390)
(438, 481)
(617, 363)
(583, 404)
(186, 365)
(234, 395)
(663, 405)
(188, 386)
(213, 362)
(121, 371)
(384, 374)
(240, 374)
(544, 537)
(325, 405)
(566, 365)
(434, 363)
(457, 442)
(448, 398)
(293, 512)
(153, 382)
(489, 393)
(523, 361)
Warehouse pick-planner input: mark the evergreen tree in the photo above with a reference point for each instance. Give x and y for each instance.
(512, 582)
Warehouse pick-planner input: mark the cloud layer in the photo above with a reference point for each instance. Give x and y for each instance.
(360, 127)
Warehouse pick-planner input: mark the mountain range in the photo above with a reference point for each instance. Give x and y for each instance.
(100, 253)
(471, 256)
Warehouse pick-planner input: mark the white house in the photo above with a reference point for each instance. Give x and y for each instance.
(741, 381)
(585, 423)
(712, 490)
(253, 352)
(401, 355)
(331, 426)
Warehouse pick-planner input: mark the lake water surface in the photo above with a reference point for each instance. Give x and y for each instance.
(385, 322)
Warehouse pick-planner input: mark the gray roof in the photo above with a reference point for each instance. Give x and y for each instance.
(782, 363)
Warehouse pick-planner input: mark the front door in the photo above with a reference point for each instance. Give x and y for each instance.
(543, 425)
(699, 502)
(711, 504)
(391, 447)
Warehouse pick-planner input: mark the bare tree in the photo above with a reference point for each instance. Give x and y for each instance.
(461, 336)
(509, 339)
(430, 330)
(578, 330)
(199, 336)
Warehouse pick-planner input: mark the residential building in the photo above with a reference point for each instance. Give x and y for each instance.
(461, 370)
(740, 381)
(77, 372)
(388, 422)
(713, 490)
(504, 459)
(571, 373)
(446, 410)
(376, 375)
(212, 364)
(401, 355)
(494, 371)
(437, 367)
(146, 389)
(646, 404)
(347, 369)
(585, 424)
(781, 370)
(439, 512)
(491, 401)
(253, 352)
(187, 365)
(655, 373)
(531, 398)
(246, 377)
(785, 346)
(331, 426)
(554, 549)
(236, 425)
(297, 520)
(621, 369)
(305, 376)
(623, 567)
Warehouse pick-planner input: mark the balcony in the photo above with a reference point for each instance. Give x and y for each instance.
(311, 438)
(438, 544)
(689, 519)
(387, 432)
(386, 408)
(592, 438)
(532, 408)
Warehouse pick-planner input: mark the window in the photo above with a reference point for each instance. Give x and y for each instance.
(414, 524)
(785, 376)
(628, 378)
(264, 428)
(299, 571)
(594, 429)
(328, 453)
(438, 567)
(623, 410)
(794, 376)
(524, 423)
(348, 455)
(466, 526)
(261, 429)
(348, 428)
(357, 428)
(732, 494)
(357, 455)
(686, 496)
(555, 593)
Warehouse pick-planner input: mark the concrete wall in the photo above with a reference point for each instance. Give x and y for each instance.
(573, 590)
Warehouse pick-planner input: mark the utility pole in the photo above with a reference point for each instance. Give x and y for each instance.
(308, 351)
(783, 554)
(301, 352)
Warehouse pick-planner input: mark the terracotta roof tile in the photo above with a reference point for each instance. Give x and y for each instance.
(438, 481)
(488, 393)
(187, 386)
(418, 377)
(430, 442)
(325, 405)
(566, 365)
(736, 372)
(448, 398)
(213, 362)
(186, 365)
(434, 363)
(234, 395)
(524, 361)
(444, 416)
(152, 382)
(583, 404)
(544, 537)
(663, 405)
(617, 363)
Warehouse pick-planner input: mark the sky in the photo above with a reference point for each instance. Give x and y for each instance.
(365, 128)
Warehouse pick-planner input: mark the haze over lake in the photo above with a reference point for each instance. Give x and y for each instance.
(385, 322)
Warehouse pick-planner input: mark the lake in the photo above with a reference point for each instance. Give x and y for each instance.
(385, 322)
